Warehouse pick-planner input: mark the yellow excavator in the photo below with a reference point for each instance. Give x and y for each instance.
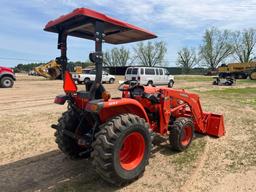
(50, 70)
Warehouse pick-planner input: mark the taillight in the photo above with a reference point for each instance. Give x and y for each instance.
(60, 99)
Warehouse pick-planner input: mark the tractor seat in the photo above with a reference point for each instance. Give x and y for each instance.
(152, 97)
(86, 94)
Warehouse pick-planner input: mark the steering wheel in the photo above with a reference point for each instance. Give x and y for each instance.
(132, 84)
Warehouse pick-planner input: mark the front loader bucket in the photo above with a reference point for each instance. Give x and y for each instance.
(215, 125)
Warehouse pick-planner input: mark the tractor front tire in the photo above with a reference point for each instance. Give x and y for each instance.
(121, 149)
(69, 121)
(181, 133)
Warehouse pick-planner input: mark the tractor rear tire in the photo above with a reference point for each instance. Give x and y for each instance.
(69, 121)
(181, 133)
(121, 149)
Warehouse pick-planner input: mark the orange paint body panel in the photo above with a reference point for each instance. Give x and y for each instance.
(175, 103)
(114, 107)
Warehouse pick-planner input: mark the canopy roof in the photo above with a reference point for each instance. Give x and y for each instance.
(80, 23)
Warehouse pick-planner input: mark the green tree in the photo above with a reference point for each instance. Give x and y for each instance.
(30, 66)
(150, 54)
(117, 57)
(25, 67)
(243, 45)
(187, 59)
(216, 47)
(73, 64)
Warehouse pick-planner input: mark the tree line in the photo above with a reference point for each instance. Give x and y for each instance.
(217, 46)
(30, 66)
(146, 54)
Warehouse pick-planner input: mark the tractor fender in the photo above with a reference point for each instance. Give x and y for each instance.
(113, 107)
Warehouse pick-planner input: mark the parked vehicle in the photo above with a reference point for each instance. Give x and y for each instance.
(88, 75)
(32, 73)
(150, 76)
(228, 81)
(7, 77)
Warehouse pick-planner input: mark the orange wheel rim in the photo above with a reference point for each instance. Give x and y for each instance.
(186, 136)
(132, 152)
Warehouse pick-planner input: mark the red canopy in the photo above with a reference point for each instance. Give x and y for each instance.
(79, 23)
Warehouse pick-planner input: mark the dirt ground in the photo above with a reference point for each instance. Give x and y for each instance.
(30, 160)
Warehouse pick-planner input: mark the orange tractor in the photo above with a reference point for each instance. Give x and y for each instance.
(117, 133)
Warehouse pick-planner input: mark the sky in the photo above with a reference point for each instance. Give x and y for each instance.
(178, 23)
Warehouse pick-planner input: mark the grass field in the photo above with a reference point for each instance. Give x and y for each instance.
(30, 160)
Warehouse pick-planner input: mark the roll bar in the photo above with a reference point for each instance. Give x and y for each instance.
(97, 56)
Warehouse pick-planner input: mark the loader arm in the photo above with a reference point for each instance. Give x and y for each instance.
(205, 123)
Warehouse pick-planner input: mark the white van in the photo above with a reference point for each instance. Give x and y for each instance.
(150, 76)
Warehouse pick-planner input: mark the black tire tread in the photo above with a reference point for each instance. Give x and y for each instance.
(170, 83)
(176, 131)
(87, 79)
(2, 81)
(103, 145)
(250, 76)
(67, 145)
(150, 82)
(112, 81)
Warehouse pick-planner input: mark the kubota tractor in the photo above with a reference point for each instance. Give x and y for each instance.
(117, 133)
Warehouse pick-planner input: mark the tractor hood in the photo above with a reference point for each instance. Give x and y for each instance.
(80, 23)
